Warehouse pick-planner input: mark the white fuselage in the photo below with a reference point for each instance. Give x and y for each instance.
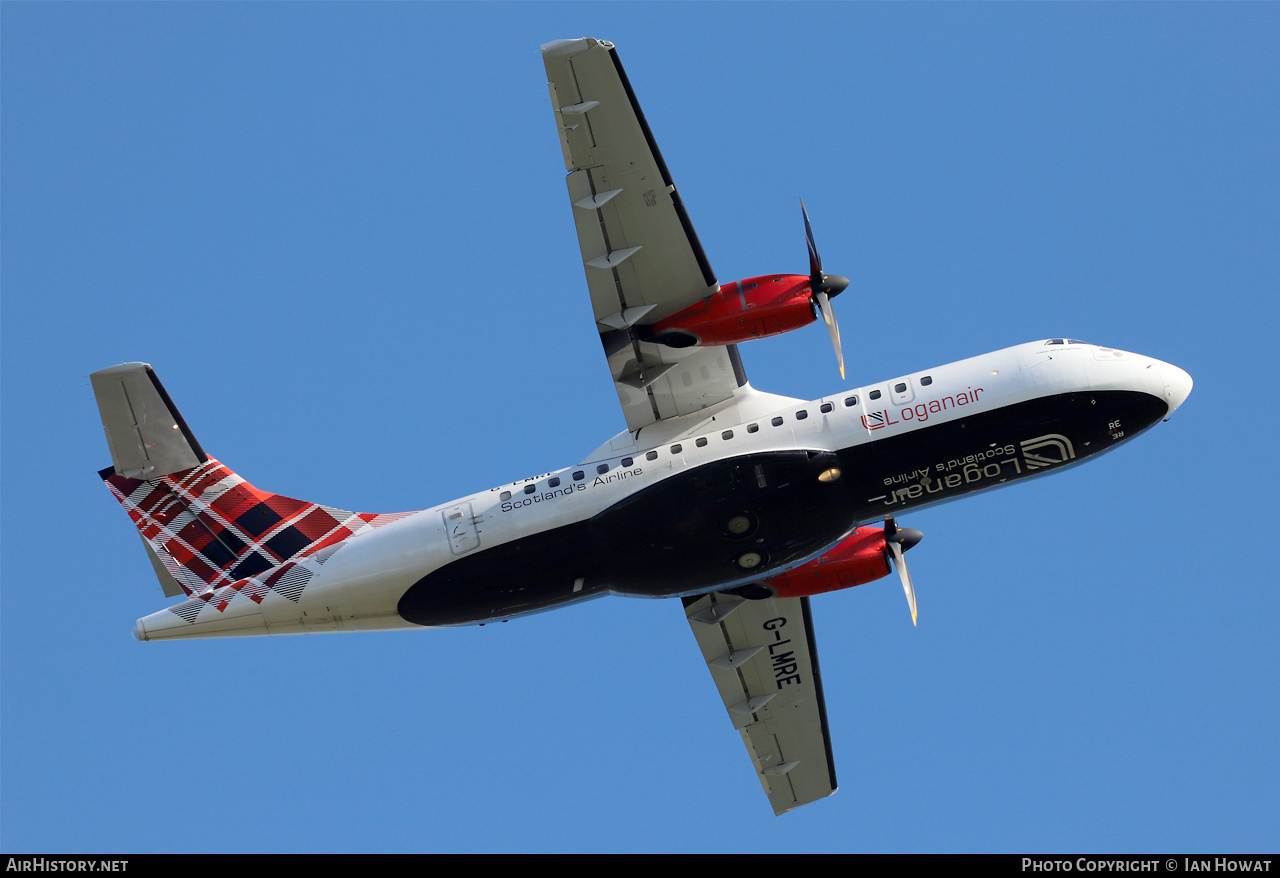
(361, 586)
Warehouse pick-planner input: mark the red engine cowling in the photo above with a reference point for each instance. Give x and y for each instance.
(753, 308)
(858, 558)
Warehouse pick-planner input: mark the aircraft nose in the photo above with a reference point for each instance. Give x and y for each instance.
(1177, 385)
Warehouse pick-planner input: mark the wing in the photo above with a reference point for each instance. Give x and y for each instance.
(763, 660)
(641, 256)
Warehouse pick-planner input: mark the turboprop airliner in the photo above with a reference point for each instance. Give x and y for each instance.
(742, 504)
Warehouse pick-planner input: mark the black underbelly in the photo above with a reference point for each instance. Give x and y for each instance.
(676, 537)
(709, 526)
(938, 463)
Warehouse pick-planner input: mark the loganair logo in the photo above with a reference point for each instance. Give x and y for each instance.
(921, 411)
(1047, 450)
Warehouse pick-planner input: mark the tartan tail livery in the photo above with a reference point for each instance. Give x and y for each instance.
(232, 549)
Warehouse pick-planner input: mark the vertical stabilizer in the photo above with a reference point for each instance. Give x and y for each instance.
(209, 534)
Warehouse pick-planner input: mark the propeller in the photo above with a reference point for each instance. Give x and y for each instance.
(897, 540)
(824, 288)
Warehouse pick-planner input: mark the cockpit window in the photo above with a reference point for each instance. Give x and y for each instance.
(1054, 341)
(1075, 341)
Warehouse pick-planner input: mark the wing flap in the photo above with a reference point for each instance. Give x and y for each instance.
(763, 660)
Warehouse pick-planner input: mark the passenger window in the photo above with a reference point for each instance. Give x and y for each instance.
(553, 482)
(627, 461)
(875, 394)
(727, 434)
(753, 428)
(675, 449)
(602, 468)
(900, 388)
(529, 489)
(850, 400)
(701, 442)
(777, 422)
(926, 381)
(801, 415)
(826, 407)
(577, 477)
(652, 455)
(505, 495)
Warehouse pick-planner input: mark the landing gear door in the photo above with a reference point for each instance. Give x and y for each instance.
(461, 526)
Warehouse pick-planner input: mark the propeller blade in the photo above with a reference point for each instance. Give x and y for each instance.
(822, 287)
(815, 258)
(900, 562)
(829, 317)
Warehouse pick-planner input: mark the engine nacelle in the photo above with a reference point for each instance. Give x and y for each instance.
(858, 558)
(753, 308)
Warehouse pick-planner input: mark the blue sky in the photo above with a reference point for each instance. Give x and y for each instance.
(340, 234)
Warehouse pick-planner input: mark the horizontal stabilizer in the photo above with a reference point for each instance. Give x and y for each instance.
(145, 432)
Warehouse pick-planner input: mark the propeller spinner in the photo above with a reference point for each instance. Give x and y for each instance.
(824, 287)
